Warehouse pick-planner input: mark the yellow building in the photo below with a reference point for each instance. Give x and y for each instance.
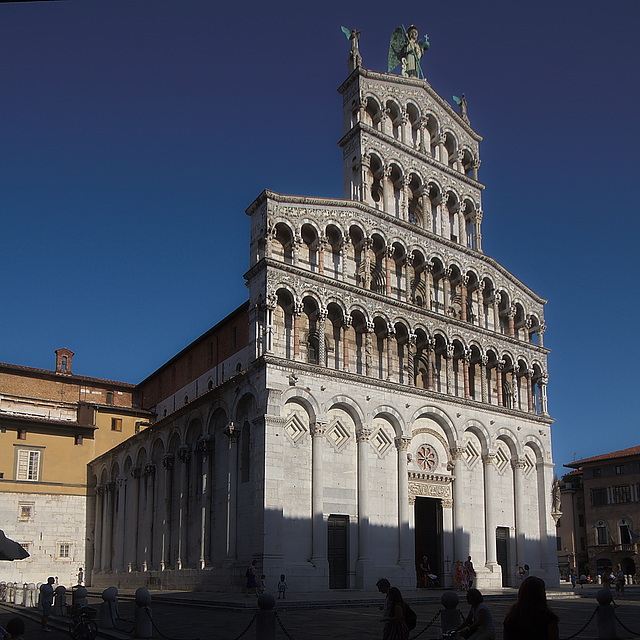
(52, 423)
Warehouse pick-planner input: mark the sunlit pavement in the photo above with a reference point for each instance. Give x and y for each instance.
(338, 614)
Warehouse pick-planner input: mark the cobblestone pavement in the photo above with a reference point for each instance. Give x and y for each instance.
(188, 620)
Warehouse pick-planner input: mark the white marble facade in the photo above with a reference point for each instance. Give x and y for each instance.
(394, 398)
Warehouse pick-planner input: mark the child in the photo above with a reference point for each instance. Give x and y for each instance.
(282, 587)
(263, 586)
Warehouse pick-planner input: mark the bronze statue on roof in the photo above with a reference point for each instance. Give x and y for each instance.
(407, 50)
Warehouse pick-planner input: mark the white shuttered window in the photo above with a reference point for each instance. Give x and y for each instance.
(28, 467)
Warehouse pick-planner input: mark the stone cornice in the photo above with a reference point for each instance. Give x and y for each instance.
(414, 310)
(410, 82)
(392, 142)
(386, 386)
(385, 217)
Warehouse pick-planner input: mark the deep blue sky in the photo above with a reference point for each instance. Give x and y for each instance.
(135, 133)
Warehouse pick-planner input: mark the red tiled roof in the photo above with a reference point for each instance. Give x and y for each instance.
(624, 453)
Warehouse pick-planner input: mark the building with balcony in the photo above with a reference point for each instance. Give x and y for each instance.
(611, 497)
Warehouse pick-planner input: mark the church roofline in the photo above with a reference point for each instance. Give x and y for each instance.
(412, 82)
(354, 204)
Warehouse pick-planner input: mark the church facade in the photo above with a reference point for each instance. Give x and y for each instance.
(382, 395)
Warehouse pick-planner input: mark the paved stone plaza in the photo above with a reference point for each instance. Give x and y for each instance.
(341, 616)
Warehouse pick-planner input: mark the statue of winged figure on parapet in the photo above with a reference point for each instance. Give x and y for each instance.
(407, 50)
(355, 59)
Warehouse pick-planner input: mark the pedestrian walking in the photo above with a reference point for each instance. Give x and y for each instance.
(46, 602)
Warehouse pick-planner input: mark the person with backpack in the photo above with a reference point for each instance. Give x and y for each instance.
(395, 625)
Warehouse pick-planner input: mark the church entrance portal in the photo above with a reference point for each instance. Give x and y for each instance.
(428, 528)
(338, 551)
(502, 552)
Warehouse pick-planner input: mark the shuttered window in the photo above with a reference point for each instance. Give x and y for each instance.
(28, 467)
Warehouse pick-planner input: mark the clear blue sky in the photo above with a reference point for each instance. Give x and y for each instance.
(135, 133)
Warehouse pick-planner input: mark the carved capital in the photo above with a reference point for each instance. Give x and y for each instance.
(232, 432)
(489, 458)
(136, 472)
(518, 463)
(317, 429)
(184, 453)
(205, 445)
(364, 434)
(402, 443)
(121, 482)
(168, 460)
(149, 469)
(484, 360)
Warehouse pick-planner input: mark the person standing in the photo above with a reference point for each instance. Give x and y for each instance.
(46, 601)
(619, 575)
(252, 579)
(470, 572)
(530, 617)
(395, 626)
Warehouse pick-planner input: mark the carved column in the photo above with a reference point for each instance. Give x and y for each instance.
(466, 363)
(446, 289)
(344, 256)
(480, 296)
(411, 357)
(404, 202)
(541, 330)
(464, 281)
(431, 345)
(345, 342)
(529, 378)
(425, 207)
(319, 530)
(518, 465)
(499, 378)
(297, 311)
(542, 384)
(184, 455)
(475, 166)
(97, 531)
(121, 483)
(478, 230)
(422, 125)
(388, 261)
(408, 263)
(406, 128)
(405, 551)
(364, 551)
(428, 283)
(460, 544)
(367, 243)
(390, 367)
(385, 189)
(368, 347)
(489, 505)
(449, 358)
(442, 152)
(511, 314)
(270, 307)
(150, 474)
(496, 312)
(322, 244)
(483, 378)
(168, 461)
(322, 356)
(131, 525)
(233, 434)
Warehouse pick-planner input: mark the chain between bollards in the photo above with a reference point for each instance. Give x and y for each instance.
(587, 623)
(153, 624)
(286, 633)
(428, 625)
(633, 633)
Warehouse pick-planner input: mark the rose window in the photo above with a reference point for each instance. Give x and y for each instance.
(426, 458)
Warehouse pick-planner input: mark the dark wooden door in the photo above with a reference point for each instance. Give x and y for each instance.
(502, 552)
(338, 551)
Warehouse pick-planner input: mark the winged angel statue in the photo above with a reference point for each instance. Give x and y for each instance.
(406, 49)
(355, 59)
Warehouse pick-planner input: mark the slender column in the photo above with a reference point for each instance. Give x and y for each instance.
(448, 542)
(405, 552)
(390, 367)
(483, 378)
(97, 535)
(517, 464)
(496, 311)
(449, 358)
(542, 383)
(464, 281)
(480, 297)
(322, 243)
(205, 446)
(431, 345)
(489, 511)
(385, 189)
(446, 289)
(105, 556)
(477, 235)
(345, 342)
(168, 461)
(408, 263)
(461, 545)
(411, 356)
(466, 362)
(184, 455)
(529, 377)
(510, 316)
(321, 317)
(319, 530)
(297, 310)
(344, 256)
(270, 307)
(499, 375)
(367, 243)
(476, 166)
(422, 125)
(122, 489)
(131, 527)
(362, 437)
(295, 250)
(368, 347)
(405, 128)
(541, 330)
(388, 261)
(442, 152)
(462, 226)
(233, 433)
(428, 284)
(404, 200)
(364, 180)
(150, 473)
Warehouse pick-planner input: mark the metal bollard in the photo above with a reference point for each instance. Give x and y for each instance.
(60, 601)
(109, 608)
(33, 595)
(11, 591)
(606, 616)
(451, 617)
(266, 618)
(143, 627)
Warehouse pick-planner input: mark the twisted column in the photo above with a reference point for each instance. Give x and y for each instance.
(483, 378)
(322, 356)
